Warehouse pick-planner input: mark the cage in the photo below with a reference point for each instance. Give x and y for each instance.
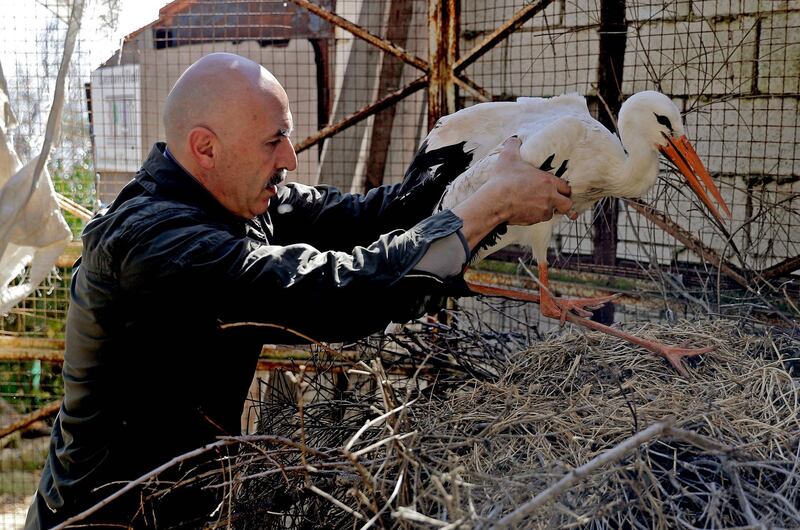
(367, 80)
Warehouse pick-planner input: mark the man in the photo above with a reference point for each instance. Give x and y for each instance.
(203, 235)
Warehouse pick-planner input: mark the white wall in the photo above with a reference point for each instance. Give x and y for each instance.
(117, 116)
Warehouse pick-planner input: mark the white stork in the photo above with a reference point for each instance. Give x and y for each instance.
(558, 134)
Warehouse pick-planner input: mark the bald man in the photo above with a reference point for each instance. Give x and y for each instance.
(206, 234)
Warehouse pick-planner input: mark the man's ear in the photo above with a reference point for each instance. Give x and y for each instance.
(202, 146)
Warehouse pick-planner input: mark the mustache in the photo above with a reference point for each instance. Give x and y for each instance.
(278, 177)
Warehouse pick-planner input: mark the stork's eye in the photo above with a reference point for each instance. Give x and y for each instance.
(663, 120)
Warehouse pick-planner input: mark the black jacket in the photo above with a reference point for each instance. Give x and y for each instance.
(148, 372)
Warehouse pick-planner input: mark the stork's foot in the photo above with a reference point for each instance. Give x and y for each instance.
(560, 307)
(674, 354)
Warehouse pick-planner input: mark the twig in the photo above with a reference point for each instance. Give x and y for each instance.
(246, 324)
(612, 455)
(375, 421)
(743, 502)
(39, 414)
(154, 472)
(337, 502)
(394, 437)
(409, 514)
(150, 474)
(386, 504)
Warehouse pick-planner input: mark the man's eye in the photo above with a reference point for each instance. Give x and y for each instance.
(274, 142)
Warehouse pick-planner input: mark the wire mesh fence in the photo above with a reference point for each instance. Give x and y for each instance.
(732, 67)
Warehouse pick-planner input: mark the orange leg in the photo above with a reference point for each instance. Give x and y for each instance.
(514, 294)
(559, 308)
(673, 354)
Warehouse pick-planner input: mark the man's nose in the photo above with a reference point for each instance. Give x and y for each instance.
(289, 157)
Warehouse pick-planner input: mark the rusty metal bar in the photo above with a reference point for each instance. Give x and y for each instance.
(39, 414)
(453, 27)
(31, 349)
(8, 341)
(472, 87)
(786, 266)
(362, 114)
(437, 60)
(519, 18)
(441, 90)
(685, 237)
(364, 34)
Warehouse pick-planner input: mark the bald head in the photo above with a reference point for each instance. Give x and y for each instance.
(228, 123)
(217, 92)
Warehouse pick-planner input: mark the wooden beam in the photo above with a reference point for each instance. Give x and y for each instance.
(609, 87)
(322, 64)
(39, 414)
(400, 15)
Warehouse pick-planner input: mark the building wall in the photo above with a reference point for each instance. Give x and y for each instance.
(117, 118)
(293, 65)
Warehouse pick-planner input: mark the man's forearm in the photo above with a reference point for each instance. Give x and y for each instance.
(481, 213)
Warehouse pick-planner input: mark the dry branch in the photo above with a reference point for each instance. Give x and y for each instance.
(579, 473)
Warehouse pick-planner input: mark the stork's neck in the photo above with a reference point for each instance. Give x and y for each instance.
(640, 170)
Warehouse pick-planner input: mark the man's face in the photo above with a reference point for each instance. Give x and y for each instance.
(254, 155)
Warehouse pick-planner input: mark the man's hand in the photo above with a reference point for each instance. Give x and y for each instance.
(517, 194)
(527, 194)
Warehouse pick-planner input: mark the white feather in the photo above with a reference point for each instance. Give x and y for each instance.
(597, 164)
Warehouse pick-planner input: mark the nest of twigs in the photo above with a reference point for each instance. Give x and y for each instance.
(579, 430)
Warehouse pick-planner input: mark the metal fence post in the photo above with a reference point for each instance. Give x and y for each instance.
(613, 34)
(443, 48)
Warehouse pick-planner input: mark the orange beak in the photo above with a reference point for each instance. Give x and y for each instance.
(681, 153)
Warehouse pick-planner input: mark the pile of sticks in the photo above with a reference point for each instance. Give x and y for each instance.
(580, 430)
(449, 427)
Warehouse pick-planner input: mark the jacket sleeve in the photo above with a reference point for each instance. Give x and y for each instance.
(331, 220)
(325, 295)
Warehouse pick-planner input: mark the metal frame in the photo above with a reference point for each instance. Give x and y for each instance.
(443, 73)
(443, 70)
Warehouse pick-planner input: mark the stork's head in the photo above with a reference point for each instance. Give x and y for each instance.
(652, 115)
(655, 119)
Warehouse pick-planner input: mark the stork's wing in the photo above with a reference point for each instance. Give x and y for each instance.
(546, 145)
(548, 148)
(461, 139)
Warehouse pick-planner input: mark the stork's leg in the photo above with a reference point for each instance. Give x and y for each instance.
(550, 306)
(514, 294)
(673, 354)
(554, 307)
